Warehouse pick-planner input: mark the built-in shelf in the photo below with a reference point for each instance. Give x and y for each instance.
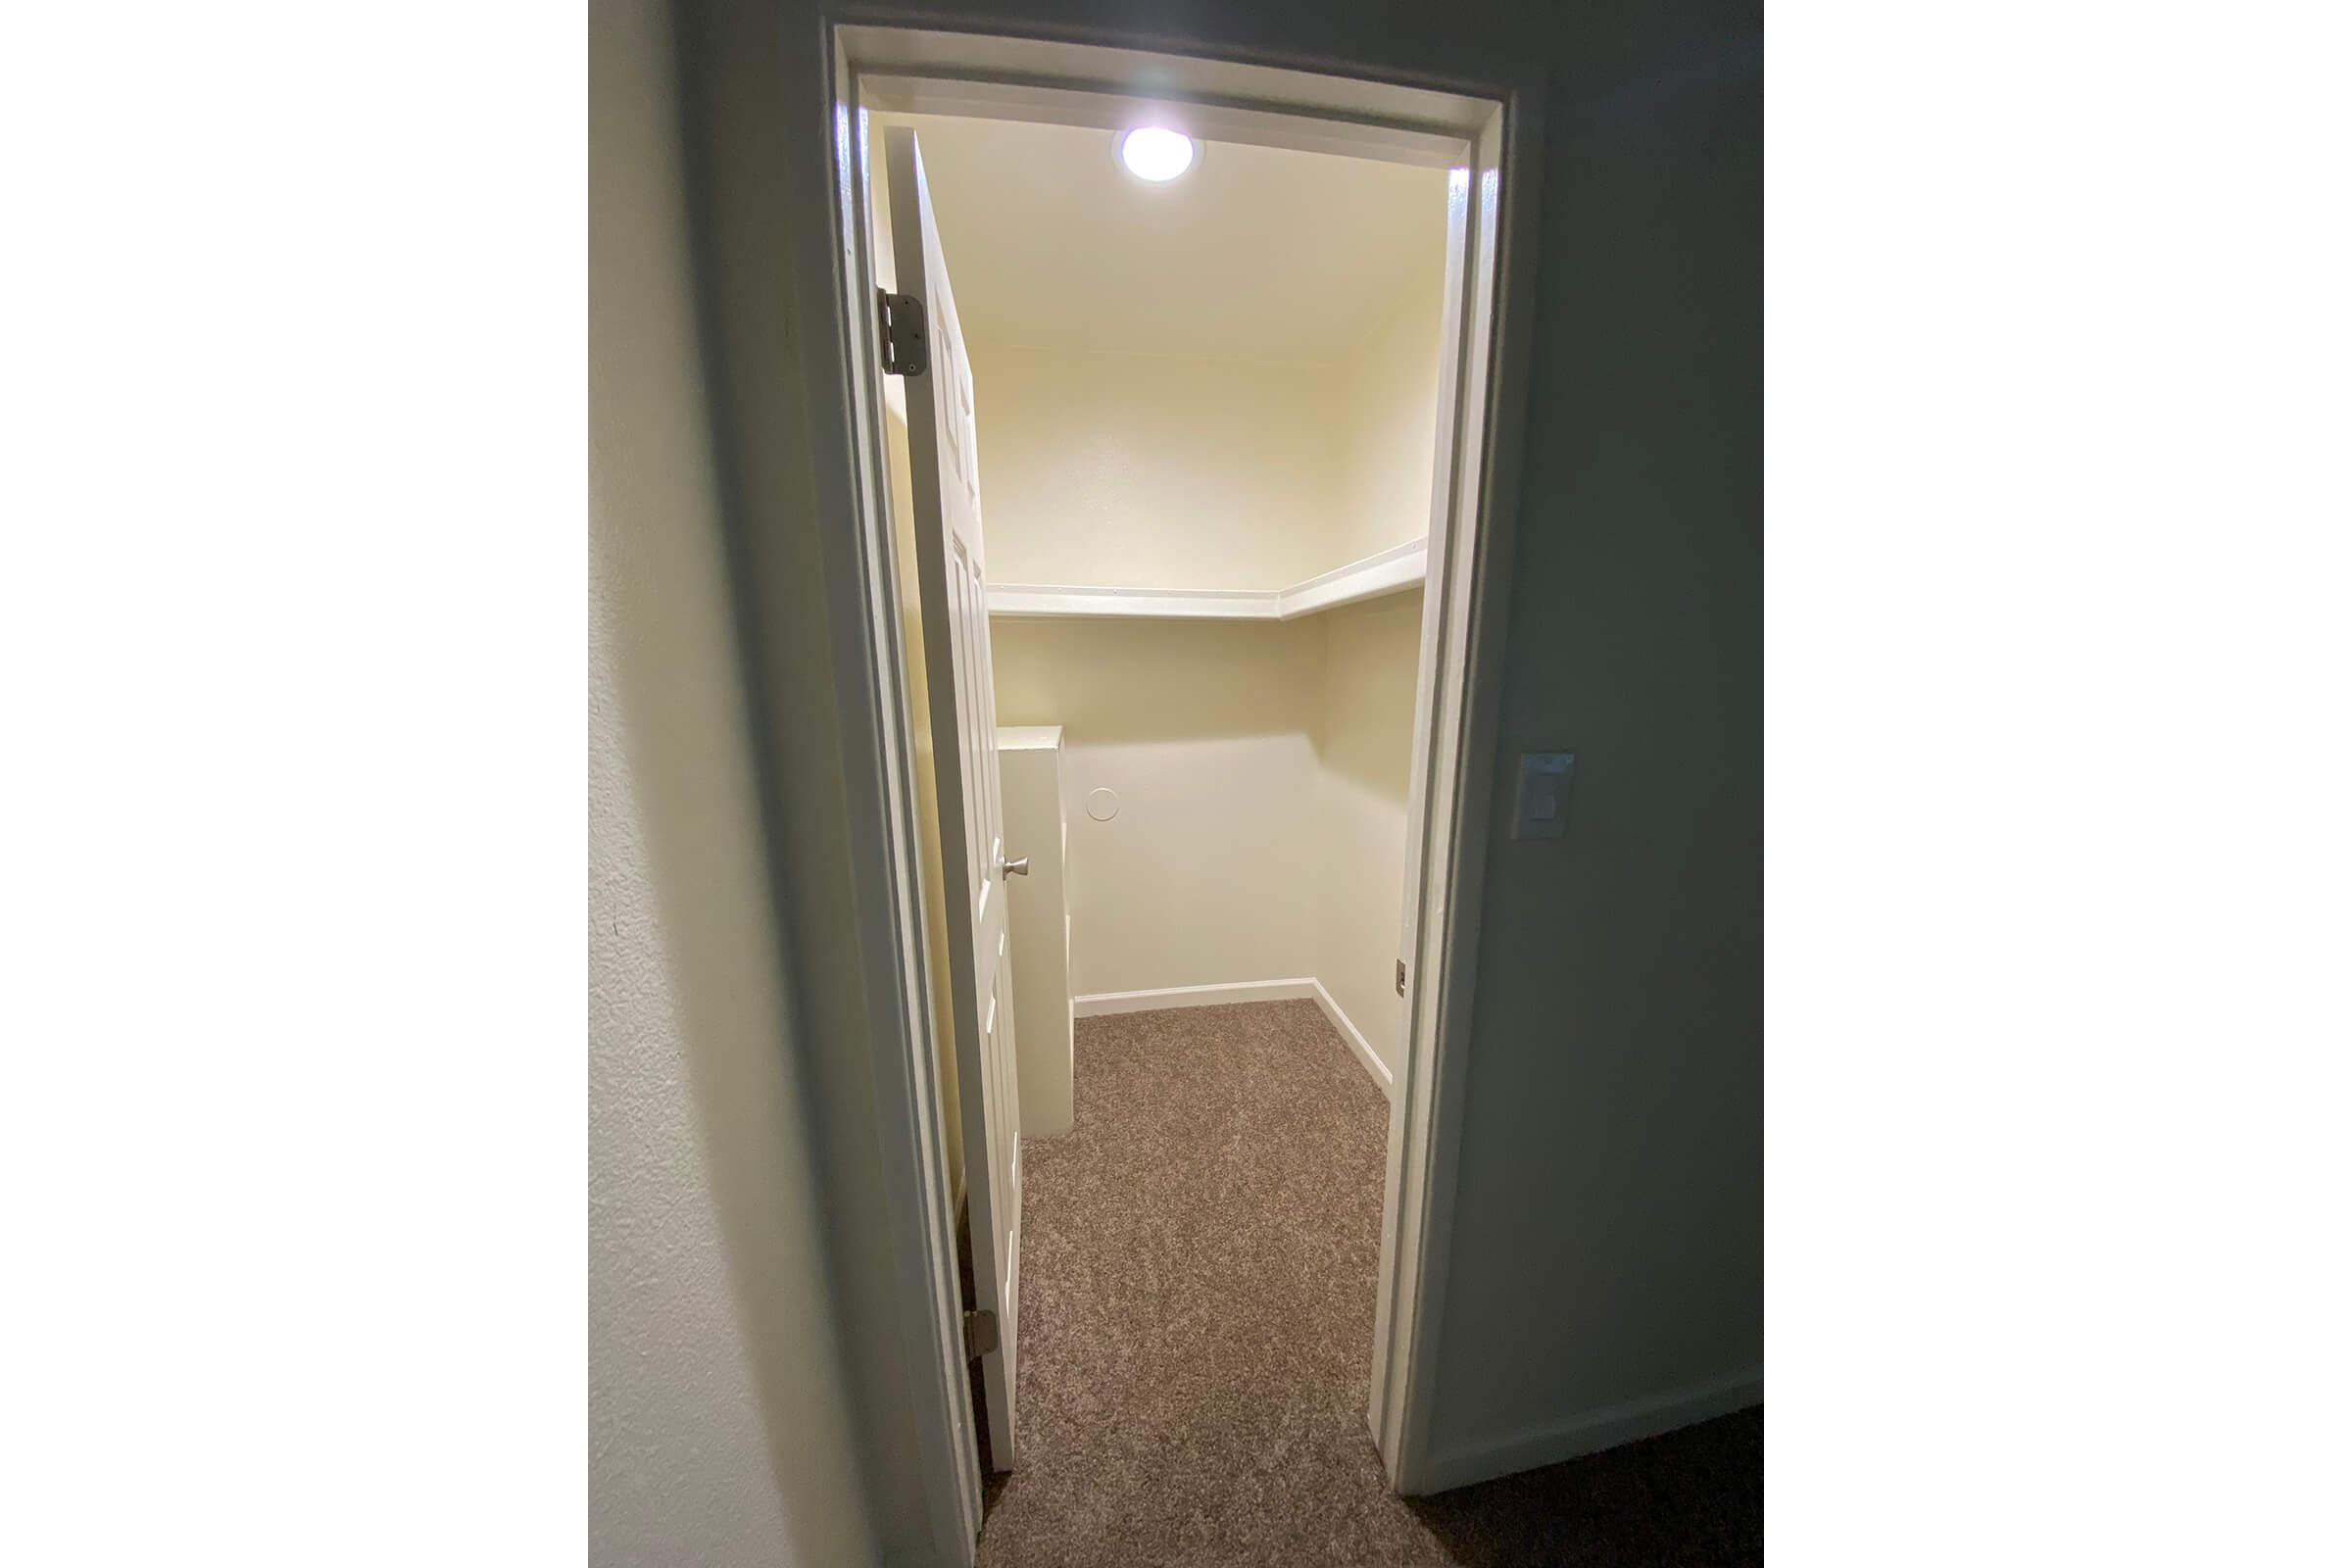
(1389, 572)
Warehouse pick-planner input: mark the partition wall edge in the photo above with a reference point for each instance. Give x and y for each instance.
(832, 284)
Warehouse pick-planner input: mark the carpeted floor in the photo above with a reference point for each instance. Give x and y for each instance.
(1197, 1277)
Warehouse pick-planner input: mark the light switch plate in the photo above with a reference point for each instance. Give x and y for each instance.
(1541, 810)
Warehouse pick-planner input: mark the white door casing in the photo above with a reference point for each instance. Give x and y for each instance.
(951, 567)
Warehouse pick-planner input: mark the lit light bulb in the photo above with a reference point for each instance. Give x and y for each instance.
(1156, 153)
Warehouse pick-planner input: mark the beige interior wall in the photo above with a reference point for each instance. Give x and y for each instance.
(1155, 472)
(1389, 425)
(1206, 730)
(1261, 769)
(1261, 772)
(1366, 722)
(1371, 664)
(720, 1398)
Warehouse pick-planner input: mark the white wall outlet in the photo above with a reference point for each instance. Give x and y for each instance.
(1541, 812)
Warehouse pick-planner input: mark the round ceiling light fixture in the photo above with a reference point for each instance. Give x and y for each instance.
(1156, 153)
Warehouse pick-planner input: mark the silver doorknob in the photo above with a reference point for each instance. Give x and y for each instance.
(1019, 867)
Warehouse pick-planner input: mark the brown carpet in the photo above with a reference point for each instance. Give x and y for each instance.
(1196, 1278)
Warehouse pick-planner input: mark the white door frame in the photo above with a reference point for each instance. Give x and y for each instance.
(1487, 127)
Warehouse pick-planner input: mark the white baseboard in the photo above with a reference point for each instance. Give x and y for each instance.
(1356, 1041)
(1309, 988)
(1104, 1001)
(1590, 1432)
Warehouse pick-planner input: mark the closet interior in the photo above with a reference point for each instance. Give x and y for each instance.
(1204, 415)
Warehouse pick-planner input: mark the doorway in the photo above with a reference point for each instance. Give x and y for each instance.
(940, 602)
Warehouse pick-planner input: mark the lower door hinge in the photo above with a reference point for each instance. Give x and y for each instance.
(905, 350)
(979, 1335)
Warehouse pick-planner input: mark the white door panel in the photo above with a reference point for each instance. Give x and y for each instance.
(952, 569)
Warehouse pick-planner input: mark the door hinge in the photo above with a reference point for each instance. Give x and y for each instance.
(1400, 977)
(905, 350)
(979, 1335)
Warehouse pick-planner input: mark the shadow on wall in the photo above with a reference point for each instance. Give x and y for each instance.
(685, 978)
(701, 867)
(1120, 681)
(1371, 664)
(1344, 679)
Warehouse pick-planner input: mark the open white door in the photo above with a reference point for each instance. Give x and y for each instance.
(951, 567)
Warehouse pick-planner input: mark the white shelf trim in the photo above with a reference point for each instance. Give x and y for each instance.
(1391, 571)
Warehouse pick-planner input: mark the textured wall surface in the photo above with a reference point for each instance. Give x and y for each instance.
(679, 1463)
(716, 1415)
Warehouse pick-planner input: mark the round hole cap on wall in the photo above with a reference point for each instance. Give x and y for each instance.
(1103, 805)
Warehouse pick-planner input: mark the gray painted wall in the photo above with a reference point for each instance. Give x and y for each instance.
(1609, 1237)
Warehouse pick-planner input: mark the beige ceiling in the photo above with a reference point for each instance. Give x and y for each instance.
(1254, 253)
